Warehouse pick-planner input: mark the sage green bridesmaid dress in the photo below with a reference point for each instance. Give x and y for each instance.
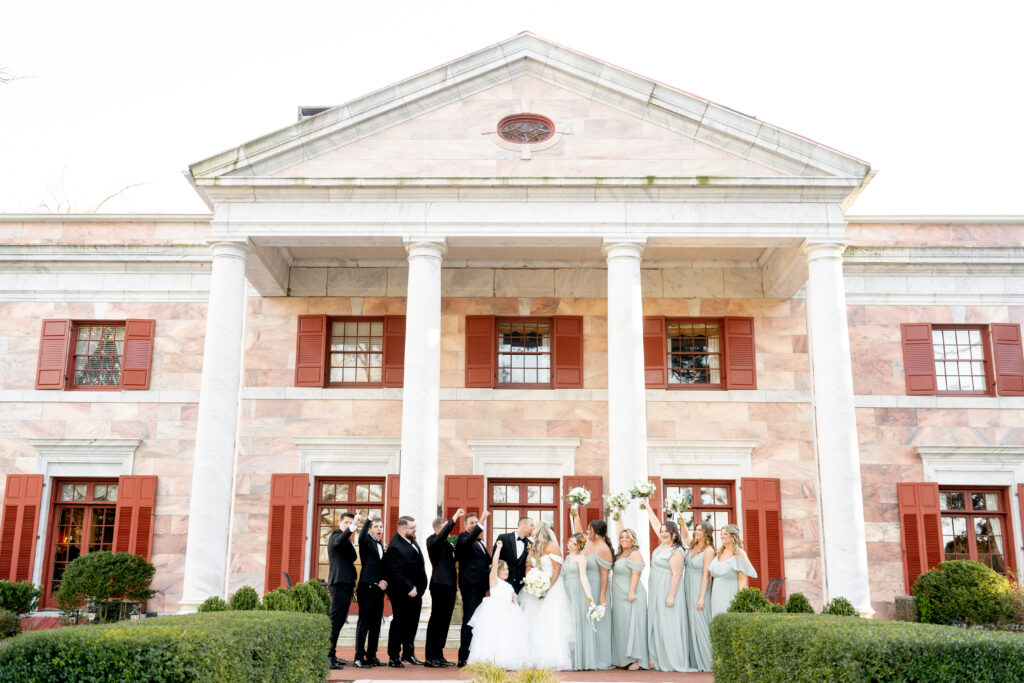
(726, 585)
(629, 619)
(603, 637)
(584, 650)
(668, 637)
(700, 620)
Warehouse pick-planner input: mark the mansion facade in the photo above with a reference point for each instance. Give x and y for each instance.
(520, 272)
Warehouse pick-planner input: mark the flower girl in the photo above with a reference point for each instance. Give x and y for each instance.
(497, 621)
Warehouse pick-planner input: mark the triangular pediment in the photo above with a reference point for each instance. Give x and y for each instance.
(609, 122)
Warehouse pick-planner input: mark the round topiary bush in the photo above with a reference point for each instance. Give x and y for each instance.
(245, 598)
(10, 624)
(20, 597)
(751, 600)
(213, 604)
(961, 590)
(798, 604)
(110, 581)
(279, 600)
(840, 607)
(307, 599)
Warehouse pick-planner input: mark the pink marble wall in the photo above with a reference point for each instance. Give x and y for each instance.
(936, 234)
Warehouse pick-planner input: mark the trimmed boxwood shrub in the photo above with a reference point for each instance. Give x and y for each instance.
(799, 604)
(245, 598)
(20, 597)
(10, 624)
(213, 604)
(793, 648)
(105, 579)
(307, 599)
(752, 600)
(322, 592)
(280, 600)
(222, 647)
(961, 590)
(840, 607)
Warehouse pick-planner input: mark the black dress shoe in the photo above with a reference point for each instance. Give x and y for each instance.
(433, 664)
(462, 663)
(447, 663)
(374, 662)
(412, 660)
(396, 664)
(343, 662)
(336, 665)
(361, 664)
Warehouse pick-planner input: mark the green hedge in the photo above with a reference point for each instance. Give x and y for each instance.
(222, 647)
(796, 647)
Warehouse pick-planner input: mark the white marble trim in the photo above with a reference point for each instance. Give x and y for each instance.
(513, 457)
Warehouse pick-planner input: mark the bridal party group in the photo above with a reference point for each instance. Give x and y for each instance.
(581, 608)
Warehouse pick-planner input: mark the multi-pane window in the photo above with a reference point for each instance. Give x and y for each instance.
(97, 355)
(524, 352)
(974, 525)
(356, 351)
(512, 500)
(335, 497)
(960, 360)
(82, 521)
(694, 353)
(710, 501)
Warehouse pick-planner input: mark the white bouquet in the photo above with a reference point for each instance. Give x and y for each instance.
(642, 490)
(596, 611)
(675, 506)
(617, 505)
(536, 583)
(577, 497)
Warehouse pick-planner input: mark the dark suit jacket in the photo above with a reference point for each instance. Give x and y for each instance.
(404, 568)
(373, 567)
(442, 557)
(342, 555)
(474, 562)
(516, 565)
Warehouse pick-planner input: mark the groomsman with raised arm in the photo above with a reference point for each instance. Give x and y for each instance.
(474, 575)
(370, 593)
(515, 546)
(406, 573)
(342, 577)
(442, 589)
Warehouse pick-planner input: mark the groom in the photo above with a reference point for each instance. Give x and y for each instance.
(514, 548)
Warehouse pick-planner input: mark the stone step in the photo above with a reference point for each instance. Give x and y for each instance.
(347, 638)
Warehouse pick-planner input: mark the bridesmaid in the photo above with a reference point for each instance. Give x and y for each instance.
(667, 633)
(697, 583)
(729, 569)
(599, 562)
(629, 604)
(584, 650)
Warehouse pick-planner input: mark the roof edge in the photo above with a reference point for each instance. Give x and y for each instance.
(105, 217)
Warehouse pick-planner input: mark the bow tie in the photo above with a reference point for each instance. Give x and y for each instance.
(524, 540)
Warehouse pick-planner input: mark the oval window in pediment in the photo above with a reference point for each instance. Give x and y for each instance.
(526, 129)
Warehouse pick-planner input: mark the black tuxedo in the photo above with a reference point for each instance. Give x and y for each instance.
(369, 594)
(442, 590)
(474, 580)
(516, 564)
(340, 580)
(404, 569)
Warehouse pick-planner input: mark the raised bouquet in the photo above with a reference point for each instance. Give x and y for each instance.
(596, 611)
(577, 497)
(676, 506)
(536, 583)
(617, 505)
(642, 490)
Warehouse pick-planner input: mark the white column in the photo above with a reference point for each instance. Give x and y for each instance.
(213, 463)
(835, 425)
(627, 401)
(421, 403)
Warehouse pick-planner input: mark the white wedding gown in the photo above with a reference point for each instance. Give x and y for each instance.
(548, 622)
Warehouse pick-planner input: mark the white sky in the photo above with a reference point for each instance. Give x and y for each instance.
(115, 93)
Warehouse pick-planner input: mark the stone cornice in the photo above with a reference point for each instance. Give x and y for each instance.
(919, 219)
(872, 256)
(105, 217)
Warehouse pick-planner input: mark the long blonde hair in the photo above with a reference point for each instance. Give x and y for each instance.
(541, 539)
(734, 531)
(632, 536)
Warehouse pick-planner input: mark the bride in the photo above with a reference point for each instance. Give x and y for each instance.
(550, 633)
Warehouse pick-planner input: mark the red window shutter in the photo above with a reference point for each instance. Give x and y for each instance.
(133, 520)
(920, 529)
(394, 350)
(481, 349)
(23, 495)
(740, 363)
(138, 354)
(464, 491)
(391, 508)
(1009, 359)
(589, 513)
(655, 504)
(762, 529)
(918, 358)
(311, 351)
(286, 537)
(567, 352)
(655, 356)
(53, 354)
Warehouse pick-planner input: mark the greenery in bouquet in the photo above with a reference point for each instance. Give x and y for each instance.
(675, 506)
(617, 504)
(576, 498)
(642, 491)
(596, 611)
